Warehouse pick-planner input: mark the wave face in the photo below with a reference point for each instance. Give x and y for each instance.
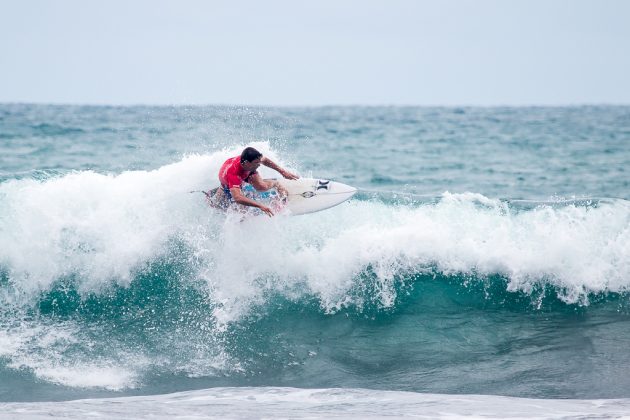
(481, 254)
(127, 282)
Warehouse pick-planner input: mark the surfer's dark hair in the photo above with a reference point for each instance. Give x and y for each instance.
(250, 154)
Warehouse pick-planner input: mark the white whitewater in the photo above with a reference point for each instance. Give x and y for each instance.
(274, 402)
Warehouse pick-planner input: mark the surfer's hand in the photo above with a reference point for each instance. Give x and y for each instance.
(266, 210)
(288, 175)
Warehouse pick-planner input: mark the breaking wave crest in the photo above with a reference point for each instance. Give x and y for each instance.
(128, 275)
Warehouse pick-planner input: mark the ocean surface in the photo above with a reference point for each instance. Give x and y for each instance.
(483, 269)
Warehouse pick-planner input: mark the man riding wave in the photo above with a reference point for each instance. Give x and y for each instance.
(240, 169)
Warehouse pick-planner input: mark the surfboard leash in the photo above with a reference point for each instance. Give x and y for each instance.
(207, 194)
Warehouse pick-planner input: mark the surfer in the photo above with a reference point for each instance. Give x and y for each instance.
(239, 169)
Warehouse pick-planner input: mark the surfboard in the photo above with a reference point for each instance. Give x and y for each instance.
(305, 195)
(308, 195)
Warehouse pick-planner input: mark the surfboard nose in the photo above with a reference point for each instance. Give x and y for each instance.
(340, 188)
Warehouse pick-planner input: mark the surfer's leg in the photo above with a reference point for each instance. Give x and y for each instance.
(267, 184)
(256, 181)
(217, 199)
(282, 192)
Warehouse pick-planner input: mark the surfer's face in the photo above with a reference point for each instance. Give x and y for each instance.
(251, 166)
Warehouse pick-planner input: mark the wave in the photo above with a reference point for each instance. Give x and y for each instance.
(104, 228)
(121, 274)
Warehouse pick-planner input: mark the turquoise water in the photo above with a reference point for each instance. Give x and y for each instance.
(487, 252)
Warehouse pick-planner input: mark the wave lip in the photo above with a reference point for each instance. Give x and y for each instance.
(330, 403)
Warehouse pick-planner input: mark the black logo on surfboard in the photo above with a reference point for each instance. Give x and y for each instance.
(322, 185)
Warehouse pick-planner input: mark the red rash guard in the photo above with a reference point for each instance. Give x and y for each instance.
(232, 173)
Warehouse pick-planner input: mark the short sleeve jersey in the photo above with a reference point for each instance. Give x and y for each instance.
(232, 173)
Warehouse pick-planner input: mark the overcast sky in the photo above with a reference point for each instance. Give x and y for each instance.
(276, 52)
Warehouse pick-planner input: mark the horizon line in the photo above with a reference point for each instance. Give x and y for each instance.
(331, 105)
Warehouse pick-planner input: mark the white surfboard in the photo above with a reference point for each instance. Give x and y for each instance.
(308, 195)
(305, 195)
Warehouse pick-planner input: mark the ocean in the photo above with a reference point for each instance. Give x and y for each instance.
(482, 270)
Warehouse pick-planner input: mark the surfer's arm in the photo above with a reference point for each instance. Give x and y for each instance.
(270, 164)
(237, 196)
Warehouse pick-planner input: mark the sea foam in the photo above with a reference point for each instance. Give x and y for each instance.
(101, 229)
(244, 402)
